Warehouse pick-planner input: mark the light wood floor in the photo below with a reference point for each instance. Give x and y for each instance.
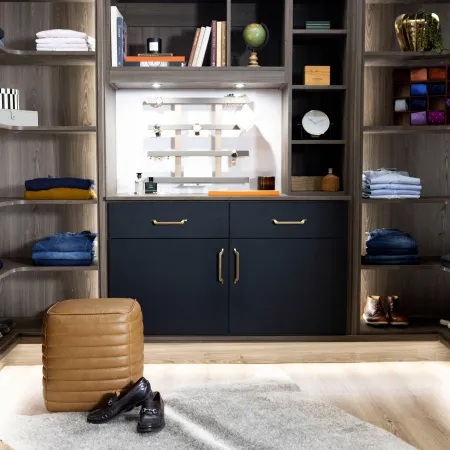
(410, 399)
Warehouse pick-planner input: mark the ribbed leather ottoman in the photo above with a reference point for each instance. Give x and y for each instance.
(91, 348)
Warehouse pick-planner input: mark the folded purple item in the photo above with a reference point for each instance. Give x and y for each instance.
(419, 118)
(436, 117)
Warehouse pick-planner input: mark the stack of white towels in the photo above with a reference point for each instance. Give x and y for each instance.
(389, 184)
(64, 41)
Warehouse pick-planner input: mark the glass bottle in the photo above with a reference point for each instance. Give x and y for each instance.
(330, 182)
(139, 187)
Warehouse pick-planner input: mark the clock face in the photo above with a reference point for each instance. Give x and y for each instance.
(315, 122)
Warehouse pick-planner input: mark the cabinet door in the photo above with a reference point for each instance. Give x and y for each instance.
(288, 286)
(176, 282)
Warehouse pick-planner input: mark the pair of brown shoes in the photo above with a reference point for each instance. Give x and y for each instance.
(374, 313)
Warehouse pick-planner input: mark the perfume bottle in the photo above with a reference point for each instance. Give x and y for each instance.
(150, 186)
(139, 188)
(330, 182)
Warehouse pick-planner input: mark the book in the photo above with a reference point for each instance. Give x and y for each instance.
(219, 45)
(154, 64)
(199, 44)
(201, 55)
(125, 40)
(155, 54)
(213, 42)
(224, 44)
(155, 59)
(120, 43)
(115, 13)
(194, 47)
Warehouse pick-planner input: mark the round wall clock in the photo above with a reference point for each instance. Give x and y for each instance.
(315, 122)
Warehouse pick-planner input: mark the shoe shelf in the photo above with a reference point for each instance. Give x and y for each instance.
(417, 326)
(406, 59)
(12, 266)
(11, 201)
(49, 129)
(12, 57)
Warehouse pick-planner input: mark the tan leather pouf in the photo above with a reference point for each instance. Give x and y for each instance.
(91, 348)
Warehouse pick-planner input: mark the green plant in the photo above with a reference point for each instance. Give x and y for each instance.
(433, 35)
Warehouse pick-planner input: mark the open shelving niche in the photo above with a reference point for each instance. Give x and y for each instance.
(61, 86)
(422, 151)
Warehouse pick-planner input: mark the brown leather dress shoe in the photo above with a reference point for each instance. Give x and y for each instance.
(374, 313)
(396, 317)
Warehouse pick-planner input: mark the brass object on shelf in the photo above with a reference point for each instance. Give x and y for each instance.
(300, 222)
(181, 222)
(411, 31)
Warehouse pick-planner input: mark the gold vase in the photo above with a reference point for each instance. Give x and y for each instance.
(411, 31)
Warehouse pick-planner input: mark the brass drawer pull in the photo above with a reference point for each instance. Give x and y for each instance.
(236, 279)
(300, 222)
(181, 222)
(220, 266)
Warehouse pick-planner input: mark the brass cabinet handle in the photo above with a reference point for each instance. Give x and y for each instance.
(236, 279)
(299, 222)
(220, 266)
(181, 222)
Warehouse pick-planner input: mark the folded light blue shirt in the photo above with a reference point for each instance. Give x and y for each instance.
(384, 192)
(405, 187)
(389, 177)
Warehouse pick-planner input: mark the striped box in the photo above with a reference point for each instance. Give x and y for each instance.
(9, 98)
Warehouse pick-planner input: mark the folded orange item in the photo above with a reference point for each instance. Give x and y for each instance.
(61, 194)
(244, 193)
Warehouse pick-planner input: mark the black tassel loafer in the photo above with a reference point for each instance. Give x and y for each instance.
(151, 417)
(124, 402)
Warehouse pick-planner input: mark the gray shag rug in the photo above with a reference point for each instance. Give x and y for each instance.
(260, 416)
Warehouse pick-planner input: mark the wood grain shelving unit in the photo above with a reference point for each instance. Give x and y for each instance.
(407, 129)
(384, 201)
(42, 58)
(406, 59)
(4, 202)
(52, 130)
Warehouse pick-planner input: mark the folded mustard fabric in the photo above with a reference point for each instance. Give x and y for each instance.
(61, 194)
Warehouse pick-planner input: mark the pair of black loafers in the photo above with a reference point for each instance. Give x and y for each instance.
(151, 416)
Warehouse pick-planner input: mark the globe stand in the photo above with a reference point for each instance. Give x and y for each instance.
(253, 60)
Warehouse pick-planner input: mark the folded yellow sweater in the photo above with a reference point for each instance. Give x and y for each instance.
(60, 194)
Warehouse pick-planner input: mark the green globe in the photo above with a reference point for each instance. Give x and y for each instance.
(254, 35)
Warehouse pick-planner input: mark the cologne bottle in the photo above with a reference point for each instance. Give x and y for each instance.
(150, 186)
(330, 182)
(139, 185)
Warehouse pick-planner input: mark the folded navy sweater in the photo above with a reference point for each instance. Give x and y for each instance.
(44, 184)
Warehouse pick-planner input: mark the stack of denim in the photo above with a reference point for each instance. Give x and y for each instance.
(390, 246)
(389, 183)
(67, 249)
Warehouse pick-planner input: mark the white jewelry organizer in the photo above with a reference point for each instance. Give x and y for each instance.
(217, 151)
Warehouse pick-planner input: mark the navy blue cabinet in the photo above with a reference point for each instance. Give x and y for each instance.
(232, 268)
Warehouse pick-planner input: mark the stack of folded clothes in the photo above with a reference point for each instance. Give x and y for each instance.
(390, 246)
(64, 41)
(67, 249)
(388, 183)
(59, 189)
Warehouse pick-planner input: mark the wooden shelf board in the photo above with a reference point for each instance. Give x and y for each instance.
(426, 263)
(48, 129)
(313, 195)
(198, 77)
(406, 59)
(332, 32)
(319, 142)
(406, 129)
(407, 200)
(50, 1)
(34, 58)
(405, 2)
(416, 326)
(335, 87)
(11, 201)
(11, 266)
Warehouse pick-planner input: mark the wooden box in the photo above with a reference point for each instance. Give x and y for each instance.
(317, 75)
(301, 184)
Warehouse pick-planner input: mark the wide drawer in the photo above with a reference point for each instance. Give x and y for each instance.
(288, 219)
(162, 219)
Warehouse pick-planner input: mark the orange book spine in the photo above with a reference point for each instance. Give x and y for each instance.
(194, 46)
(155, 59)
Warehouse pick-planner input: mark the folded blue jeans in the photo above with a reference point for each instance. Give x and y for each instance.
(389, 238)
(44, 184)
(69, 256)
(66, 242)
(392, 251)
(62, 262)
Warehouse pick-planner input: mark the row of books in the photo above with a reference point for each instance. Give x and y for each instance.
(217, 34)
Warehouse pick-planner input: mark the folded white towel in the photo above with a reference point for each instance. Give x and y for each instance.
(61, 41)
(61, 34)
(62, 49)
(82, 44)
(90, 40)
